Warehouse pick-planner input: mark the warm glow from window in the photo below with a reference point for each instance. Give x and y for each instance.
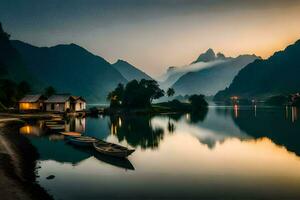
(29, 106)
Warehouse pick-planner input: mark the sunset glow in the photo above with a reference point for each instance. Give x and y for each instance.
(161, 33)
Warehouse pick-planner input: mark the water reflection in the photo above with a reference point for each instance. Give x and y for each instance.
(294, 114)
(137, 131)
(236, 111)
(38, 127)
(58, 151)
(51, 146)
(234, 169)
(274, 123)
(76, 124)
(31, 130)
(223, 153)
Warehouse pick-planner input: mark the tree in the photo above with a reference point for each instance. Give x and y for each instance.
(170, 92)
(49, 91)
(8, 92)
(151, 89)
(116, 96)
(198, 101)
(136, 94)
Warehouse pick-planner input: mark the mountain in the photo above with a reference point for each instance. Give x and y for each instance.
(278, 74)
(210, 80)
(172, 75)
(129, 71)
(205, 60)
(11, 64)
(209, 56)
(70, 68)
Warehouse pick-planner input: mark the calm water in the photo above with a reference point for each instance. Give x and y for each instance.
(226, 153)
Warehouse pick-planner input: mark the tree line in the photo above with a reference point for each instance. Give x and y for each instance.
(140, 94)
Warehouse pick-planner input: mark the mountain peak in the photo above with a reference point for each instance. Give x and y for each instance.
(120, 61)
(171, 68)
(208, 56)
(210, 51)
(221, 55)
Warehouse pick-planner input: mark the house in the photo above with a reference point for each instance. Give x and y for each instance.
(64, 103)
(32, 103)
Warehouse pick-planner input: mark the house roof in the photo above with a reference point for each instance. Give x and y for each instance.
(58, 99)
(31, 98)
(78, 98)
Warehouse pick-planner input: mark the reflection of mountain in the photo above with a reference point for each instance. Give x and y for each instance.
(97, 127)
(137, 131)
(271, 124)
(211, 129)
(58, 151)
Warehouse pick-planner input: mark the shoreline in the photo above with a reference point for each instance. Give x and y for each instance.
(18, 163)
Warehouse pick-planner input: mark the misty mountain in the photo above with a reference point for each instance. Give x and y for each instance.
(205, 60)
(70, 68)
(278, 74)
(209, 56)
(210, 80)
(172, 75)
(129, 71)
(11, 64)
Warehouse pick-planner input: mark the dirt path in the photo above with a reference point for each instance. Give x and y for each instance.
(17, 180)
(10, 184)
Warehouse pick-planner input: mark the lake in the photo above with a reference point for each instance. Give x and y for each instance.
(224, 153)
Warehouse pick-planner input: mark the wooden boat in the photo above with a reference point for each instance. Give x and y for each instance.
(112, 149)
(82, 140)
(71, 134)
(56, 127)
(54, 122)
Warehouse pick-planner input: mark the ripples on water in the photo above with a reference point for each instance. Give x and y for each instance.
(228, 152)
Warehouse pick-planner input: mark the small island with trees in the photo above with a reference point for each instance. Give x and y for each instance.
(139, 96)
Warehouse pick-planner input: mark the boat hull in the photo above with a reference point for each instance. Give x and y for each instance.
(115, 153)
(82, 141)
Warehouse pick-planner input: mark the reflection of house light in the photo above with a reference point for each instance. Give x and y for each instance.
(255, 110)
(294, 114)
(234, 97)
(113, 129)
(236, 112)
(188, 117)
(26, 130)
(120, 122)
